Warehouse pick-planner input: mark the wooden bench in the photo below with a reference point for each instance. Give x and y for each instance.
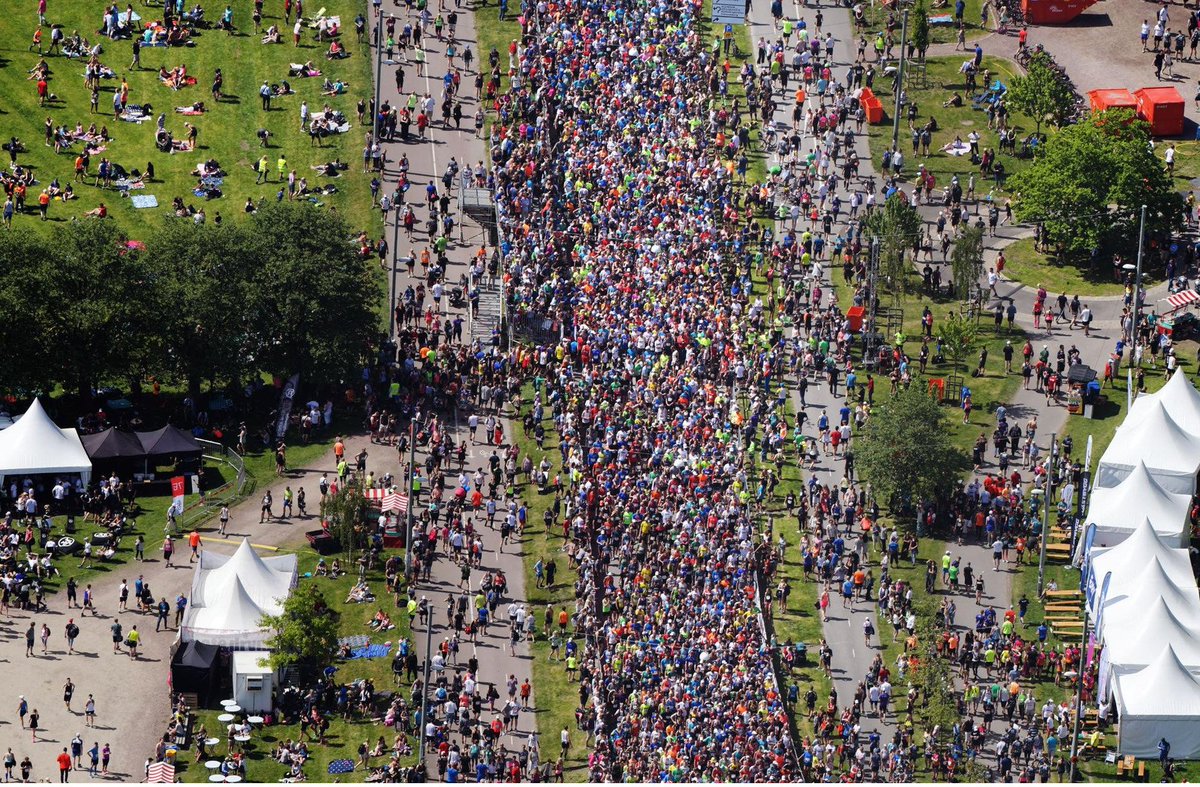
(1063, 594)
(1064, 618)
(1142, 771)
(1060, 607)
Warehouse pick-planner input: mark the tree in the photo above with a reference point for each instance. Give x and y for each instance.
(958, 337)
(201, 273)
(24, 338)
(346, 512)
(305, 633)
(897, 225)
(1041, 93)
(1089, 183)
(966, 260)
(95, 301)
(312, 300)
(920, 36)
(906, 453)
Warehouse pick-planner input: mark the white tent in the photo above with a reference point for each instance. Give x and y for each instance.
(1180, 399)
(1124, 609)
(267, 581)
(231, 593)
(1161, 700)
(1117, 510)
(1130, 650)
(233, 623)
(1171, 454)
(1126, 560)
(35, 444)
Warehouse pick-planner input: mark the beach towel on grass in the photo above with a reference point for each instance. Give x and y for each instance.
(371, 652)
(144, 201)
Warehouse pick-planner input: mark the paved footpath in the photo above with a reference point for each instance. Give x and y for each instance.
(133, 719)
(428, 159)
(843, 631)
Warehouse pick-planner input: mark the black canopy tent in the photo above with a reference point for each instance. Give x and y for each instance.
(113, 444)
(169, 441)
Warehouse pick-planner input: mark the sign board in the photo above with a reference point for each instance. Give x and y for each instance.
(728, 12)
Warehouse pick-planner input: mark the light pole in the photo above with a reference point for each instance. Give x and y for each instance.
(425, 681)
(1137, 289)
(378, 75)
(1046, 512)
(408, 509)
(900, 80)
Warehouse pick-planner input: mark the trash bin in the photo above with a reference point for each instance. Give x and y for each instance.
(70, 523)
(854, 315)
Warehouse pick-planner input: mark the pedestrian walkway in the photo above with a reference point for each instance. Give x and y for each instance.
(427, 163)
(133, 721)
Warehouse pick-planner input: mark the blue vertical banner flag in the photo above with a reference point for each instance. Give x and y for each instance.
(1101, 600)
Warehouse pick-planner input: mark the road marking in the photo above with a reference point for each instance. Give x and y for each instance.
(238, 541)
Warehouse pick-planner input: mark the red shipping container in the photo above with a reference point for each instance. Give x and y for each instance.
(1162, 108)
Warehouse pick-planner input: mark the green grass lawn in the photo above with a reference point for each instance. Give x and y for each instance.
(227, 131)
(345, 735)
(944, 80)
(149, 517)
(556, 696)
(1025, 264)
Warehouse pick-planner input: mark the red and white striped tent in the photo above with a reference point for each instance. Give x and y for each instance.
(1181, 299)
(389, 500)
(160, 773)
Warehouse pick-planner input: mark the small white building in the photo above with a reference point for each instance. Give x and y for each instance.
(253, 680)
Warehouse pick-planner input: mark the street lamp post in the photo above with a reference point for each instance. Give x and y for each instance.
(1046, 503)
(1137, 288)
(378, 75)
(900, 80)
(425, 683)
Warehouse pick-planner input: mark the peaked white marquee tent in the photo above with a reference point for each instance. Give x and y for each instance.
(1143, 547)
(1118, 510)
(35, 444)
(1171, 454)
(1180, 399)
(1159, 701)
(231, 593)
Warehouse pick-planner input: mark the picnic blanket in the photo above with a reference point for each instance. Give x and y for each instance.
(128, 184)
(341, 766)
(356, 641)
(182, 145)
(213, 181)
(944, 19)
(187, 111)
(956, 149)
(371, 652)
(134, 114)
(187, 82)
(144, 200)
